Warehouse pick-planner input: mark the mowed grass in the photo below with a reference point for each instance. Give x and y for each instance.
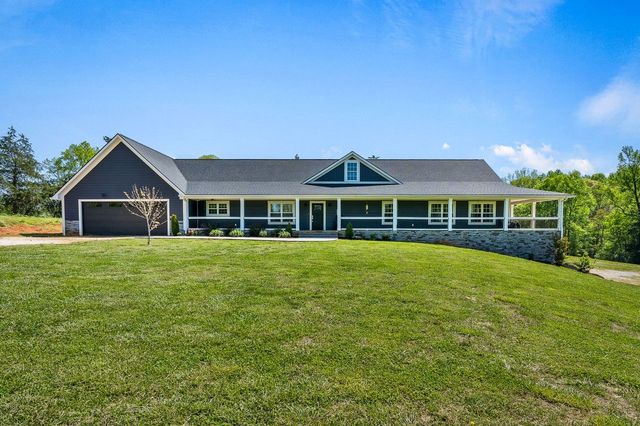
(351, 332)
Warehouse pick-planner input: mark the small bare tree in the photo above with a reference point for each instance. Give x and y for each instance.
(145, 202)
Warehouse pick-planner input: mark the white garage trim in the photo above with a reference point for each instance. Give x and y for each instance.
(118, 200)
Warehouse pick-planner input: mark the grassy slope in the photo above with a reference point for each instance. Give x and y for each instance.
(348, 331)
(19, 225)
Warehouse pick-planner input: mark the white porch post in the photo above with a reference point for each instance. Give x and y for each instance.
(505, 210)
(297, 228)
(395, 214)
(561, 217)
(242, 213)
(185, 215)
(450, 215)
(533, 215)
(339, 213)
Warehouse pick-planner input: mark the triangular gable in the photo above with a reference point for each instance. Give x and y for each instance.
(365, 171)
(100, 155)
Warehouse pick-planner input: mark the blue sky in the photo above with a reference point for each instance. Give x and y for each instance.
(541, 84)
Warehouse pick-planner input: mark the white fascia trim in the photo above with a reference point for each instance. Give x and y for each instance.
(347, 197)
(344, 159)
(100, 155)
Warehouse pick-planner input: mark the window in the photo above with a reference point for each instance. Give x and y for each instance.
(387, 212)
(482, 212)
(352, 171)
(438, 212)
(281, 212)
(217, 208)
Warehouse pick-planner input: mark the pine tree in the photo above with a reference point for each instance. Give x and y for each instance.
(19, 174)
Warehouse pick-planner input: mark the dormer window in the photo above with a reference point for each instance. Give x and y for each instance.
(352, 171)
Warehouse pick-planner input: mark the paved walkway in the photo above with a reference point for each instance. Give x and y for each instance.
(620, 276)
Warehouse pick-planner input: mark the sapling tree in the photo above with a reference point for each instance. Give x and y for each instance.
(147, 203)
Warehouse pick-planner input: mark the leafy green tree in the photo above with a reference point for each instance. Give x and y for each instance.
(62, 168)
(208, 157)
(19, 174)
(627, 201)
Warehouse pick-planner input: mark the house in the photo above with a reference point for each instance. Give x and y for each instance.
(461, 202)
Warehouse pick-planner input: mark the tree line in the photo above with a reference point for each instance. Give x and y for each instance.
(603, 219)
(26, 184)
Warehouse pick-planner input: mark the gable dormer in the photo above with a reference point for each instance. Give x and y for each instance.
(352, 169)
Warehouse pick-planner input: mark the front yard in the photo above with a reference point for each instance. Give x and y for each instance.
(200, 331)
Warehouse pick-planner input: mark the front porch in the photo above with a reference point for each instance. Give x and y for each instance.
(374, 214)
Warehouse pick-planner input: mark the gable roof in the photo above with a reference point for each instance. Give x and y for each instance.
(287, 177)
(350, 156)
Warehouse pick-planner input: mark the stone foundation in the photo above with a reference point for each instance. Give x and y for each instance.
(534, 245)
(72, 227)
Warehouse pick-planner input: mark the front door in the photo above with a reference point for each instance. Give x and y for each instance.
(317, 216)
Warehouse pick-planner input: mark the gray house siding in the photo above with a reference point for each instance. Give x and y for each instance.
(116, 173)
(333, 175)
(368, 175)
(198, 208)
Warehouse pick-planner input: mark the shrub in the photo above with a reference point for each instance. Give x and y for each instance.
(284, 234)
(584, 264)
(254, 231)
(373, 236)
(216, 233)
(386, 237)
(263, 233)
(289, 229)
(348, 232)
(236, 233)
(2, 224)
(561, 245)
(175, 226)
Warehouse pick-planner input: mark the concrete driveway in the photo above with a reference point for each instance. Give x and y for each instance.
(25, 241)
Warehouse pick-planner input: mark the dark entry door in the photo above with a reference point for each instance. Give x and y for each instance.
(317, 216)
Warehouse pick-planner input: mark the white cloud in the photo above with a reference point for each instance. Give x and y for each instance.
(446, 146)
(483, 23)
(617, 106)
(523, 155)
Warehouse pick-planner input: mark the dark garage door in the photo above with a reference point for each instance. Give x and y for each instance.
(106, 218)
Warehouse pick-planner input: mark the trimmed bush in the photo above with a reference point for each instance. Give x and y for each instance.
(284, 234)
(236, 233)
(561, 245)
(386, 237)
(584, 264)
(175, 226)
(216, 233)
(289, 229)
(263, 233)
(254, 231)
(348, 232)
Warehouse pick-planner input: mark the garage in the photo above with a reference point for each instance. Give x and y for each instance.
(113, 218)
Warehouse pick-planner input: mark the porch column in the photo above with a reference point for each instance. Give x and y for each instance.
(297, 228)
(395, 214)
(339, 213)
(561, 217)
(185, 215)
(450, 215)
(242, 213)
(533, 215)
(505, 219)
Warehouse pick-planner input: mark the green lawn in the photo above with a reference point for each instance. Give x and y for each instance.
(203, 331)
(607, 264)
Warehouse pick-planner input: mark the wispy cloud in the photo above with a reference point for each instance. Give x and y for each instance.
(446, 146)
(541, 159)
(471, 25)
(617, 106)
(479, 24)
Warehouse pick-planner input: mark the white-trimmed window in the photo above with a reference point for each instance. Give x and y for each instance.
(281, 212)
(217, 208)
(438, 212)
(387, 212)
(352, 171)
(482, 212)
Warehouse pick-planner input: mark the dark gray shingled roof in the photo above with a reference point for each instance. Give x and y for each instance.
(284, 177)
